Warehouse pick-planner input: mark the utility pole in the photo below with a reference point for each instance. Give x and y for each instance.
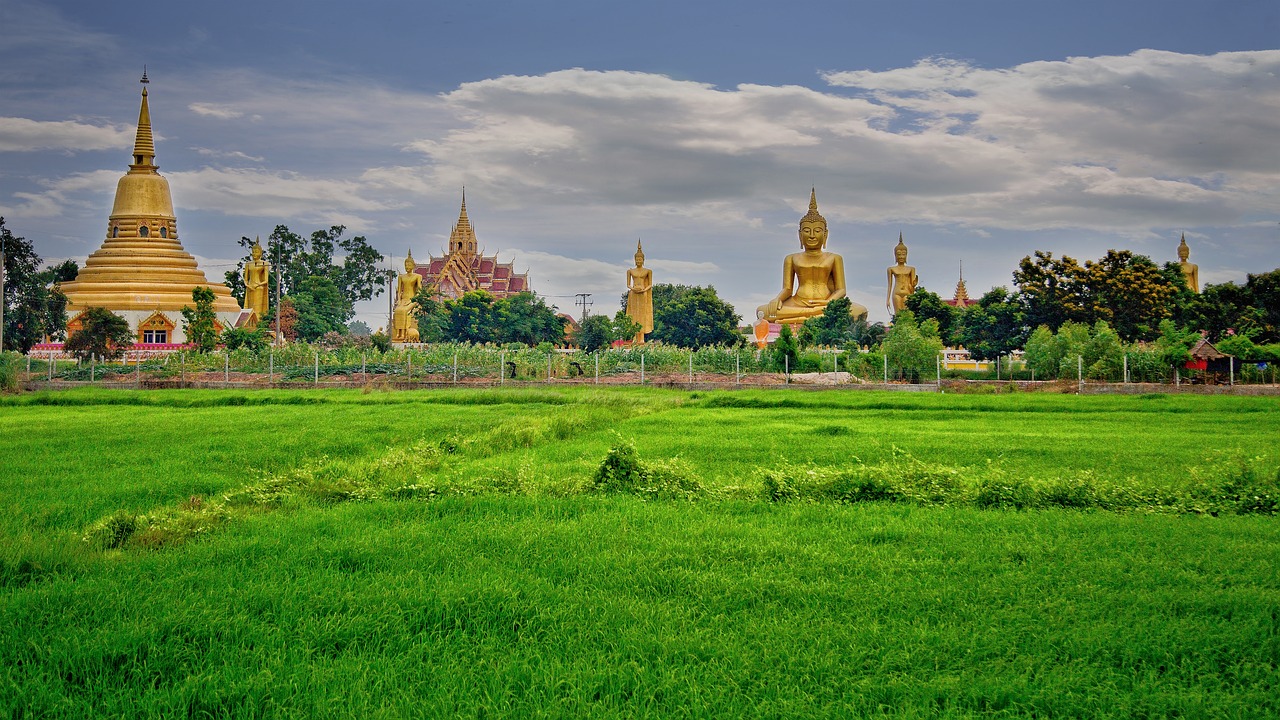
(2, 278)
(278, 339)
(584, 302)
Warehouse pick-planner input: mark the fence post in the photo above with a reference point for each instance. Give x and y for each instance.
(455, 366)
(835, 364)
(641, 368)
(548, 367)
(184, 369)
(597, 354)
(938, 362)
(137, 372)
(93, 367)
(1231, 363)
(786, 368)
(1126, 368)
(502, 367)
(691, 365)
(737, 368)
(364, 363)
(1177, 377)
(226, 369)
(271, 366)
(51, 366)
(409, 367)
(886, 369)
(316, 376)
(1080, 374)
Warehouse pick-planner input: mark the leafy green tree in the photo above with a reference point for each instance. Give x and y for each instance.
(912, 348)
(295, 258)
(321, 308)
(1042, 354)
(1252, 308)
(595, 333)
(198, 322)
(1131, 293)
(33, 305)
(992, 328)
(470, 318)
(359, 328)
(103, 334)
(254, 340)
(833, 328)
(785, 352)
(1105, 354)
(864, 334)
(1073, 347)
(1051, 290)
(928, 305)
(625, 327)
(695, 318)
(526, 318)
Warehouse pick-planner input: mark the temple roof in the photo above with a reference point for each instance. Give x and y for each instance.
(465, 268)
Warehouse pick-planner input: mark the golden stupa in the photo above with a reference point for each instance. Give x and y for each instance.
(142, 266)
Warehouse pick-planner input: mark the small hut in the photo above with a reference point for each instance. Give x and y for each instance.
(1214, 367)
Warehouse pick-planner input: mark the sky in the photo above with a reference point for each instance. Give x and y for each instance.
(980, 131)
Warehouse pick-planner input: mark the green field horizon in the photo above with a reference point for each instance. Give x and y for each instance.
(746, 554)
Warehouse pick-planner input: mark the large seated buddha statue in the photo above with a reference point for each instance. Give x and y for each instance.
(810, 279)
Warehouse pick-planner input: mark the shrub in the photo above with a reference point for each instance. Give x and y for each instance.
(9, 372)
(622, 470)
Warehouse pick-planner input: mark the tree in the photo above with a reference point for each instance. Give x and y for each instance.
(287, 314)
(359, 328)
(1050, 290)
(470, 318)
(254, 340)
(928, 305)
(1042, 354)
(833, 328)
(198, 322)
(693, 318)
(33, 305)
(1130, 293)
(785, 350)
(296, 259)
(992, 328)
(1175, 343)
(321, 308)
(1252, 308)
(595, 333)
(526, 318)
(912, 347)
(103, 334)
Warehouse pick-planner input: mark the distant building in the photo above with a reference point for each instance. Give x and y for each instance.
(465, 268)
(142, 273)
(961, 298)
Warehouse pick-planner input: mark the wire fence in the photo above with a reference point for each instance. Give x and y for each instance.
(300, 365)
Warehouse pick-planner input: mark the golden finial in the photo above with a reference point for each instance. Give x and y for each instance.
(144, 146)
(813, 215)
(900, 243)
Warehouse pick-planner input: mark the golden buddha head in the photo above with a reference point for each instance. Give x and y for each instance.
(256, 251)
(1184, 252)
(639, 255)
(813, 227)
(900, 250)
(409, 264)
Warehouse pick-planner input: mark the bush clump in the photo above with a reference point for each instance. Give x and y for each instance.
(622, 471)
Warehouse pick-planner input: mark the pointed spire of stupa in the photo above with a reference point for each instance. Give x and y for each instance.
(144, 145)
(463, 237)
(962, 293)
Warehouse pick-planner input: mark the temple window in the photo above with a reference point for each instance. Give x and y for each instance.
(155, 336)
(144, 231)
(164, 232)
(115, 231)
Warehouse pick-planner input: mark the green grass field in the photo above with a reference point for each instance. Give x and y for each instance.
(776, 554)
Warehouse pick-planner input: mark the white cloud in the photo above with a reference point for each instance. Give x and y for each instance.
(228, 154)
(222, 112)
(270, 194)
(24, 135)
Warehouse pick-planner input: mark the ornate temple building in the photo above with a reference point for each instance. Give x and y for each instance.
(466, 268)
(961, 298)
(142, 272)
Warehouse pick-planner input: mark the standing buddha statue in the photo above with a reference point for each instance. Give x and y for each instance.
(640, 295)
(902, 280)
(811, 278)
(257, 291)
(1190, 271)
(408, 285)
